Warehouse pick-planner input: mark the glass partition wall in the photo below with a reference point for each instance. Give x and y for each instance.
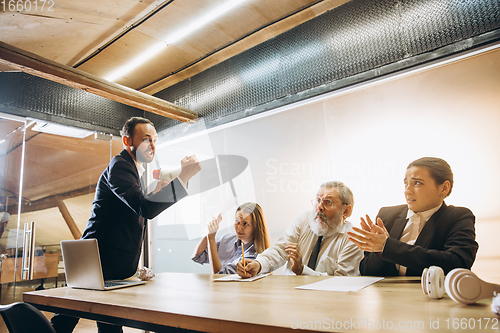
(11, 161)
(48, 176)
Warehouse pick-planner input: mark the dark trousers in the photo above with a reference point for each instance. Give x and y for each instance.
(66, 324)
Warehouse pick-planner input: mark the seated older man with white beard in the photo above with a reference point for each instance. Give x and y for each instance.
(316, 243)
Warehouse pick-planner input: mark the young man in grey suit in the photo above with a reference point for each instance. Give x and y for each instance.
(121, 207)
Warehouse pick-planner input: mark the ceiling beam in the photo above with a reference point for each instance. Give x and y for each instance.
(35, 65)
(73, 228)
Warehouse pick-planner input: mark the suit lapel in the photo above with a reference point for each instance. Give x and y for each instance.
(429, 227)
(124, 153)
(129, 159)
(143, 183)
(399, 224)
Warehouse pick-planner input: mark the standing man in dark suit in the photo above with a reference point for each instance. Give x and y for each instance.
(121, 207)
(409, 238)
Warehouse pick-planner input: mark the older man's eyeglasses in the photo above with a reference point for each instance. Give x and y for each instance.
(327, 203)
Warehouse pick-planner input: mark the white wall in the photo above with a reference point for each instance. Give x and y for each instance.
(364, 137)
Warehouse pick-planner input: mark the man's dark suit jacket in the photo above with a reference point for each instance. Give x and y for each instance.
(447, 240)
(119, 211)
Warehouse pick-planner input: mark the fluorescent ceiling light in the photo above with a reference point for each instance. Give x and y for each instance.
(172, 38)
(136, 62)
(57, 129)
(216, 13)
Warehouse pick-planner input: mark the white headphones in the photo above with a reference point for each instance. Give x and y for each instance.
(433, 282)
(460, 284)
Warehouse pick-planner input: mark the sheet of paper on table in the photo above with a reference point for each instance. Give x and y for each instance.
(342, 283)
(236, 277)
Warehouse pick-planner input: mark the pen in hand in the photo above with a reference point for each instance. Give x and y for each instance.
(243, 255)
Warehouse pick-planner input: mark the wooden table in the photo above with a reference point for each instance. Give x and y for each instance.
(271, 304)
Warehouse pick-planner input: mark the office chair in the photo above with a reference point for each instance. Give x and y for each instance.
(24, 318)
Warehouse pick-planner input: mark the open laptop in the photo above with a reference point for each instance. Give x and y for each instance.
(82, 266)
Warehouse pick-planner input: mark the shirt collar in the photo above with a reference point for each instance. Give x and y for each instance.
(426, 215)
(245, 246)
(140, 168)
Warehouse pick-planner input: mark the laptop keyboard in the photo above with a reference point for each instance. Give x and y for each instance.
(113, 284)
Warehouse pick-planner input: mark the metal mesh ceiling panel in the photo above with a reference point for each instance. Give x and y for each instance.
(354, 38)
(28, 95)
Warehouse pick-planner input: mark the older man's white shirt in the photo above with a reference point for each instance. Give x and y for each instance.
(337, 256)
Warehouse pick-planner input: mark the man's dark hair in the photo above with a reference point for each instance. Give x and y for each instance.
(438, 169)
(128, 127)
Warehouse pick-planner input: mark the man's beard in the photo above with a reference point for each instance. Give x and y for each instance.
(142, 155)
(329, 227)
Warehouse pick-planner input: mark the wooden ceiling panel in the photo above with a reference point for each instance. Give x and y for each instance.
(172, 18)
(233, 26)
(53, 164)
(101, 35)
(87, 145)
(327, 5)
(60, 184)
(8, 128)
(9, 181)
(43, 176)
(129, 47)
(163, 64)
(71, 30)
(273, 9)
(10, 158)
(176, 16)
(57, 165)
